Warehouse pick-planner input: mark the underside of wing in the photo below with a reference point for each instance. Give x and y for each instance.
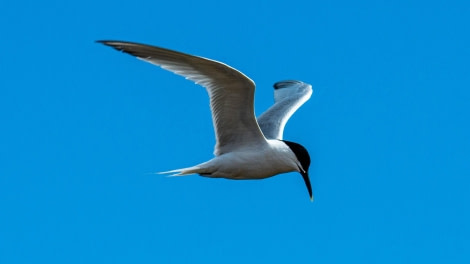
(288, 97)
(231, 92)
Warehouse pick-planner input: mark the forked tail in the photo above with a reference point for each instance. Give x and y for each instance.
(186, 171)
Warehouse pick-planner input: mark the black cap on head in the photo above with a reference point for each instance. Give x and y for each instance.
(301, 154)
(303, 157)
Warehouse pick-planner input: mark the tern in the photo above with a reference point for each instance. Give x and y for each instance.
(246, 147)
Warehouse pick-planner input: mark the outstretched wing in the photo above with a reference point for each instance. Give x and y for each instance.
(288, 97)
(231, 92)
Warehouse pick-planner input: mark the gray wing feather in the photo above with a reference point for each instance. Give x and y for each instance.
(288, 97)
(231, 92)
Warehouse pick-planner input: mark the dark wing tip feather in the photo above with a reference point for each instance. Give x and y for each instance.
(145, 51)
(123, 46)
(111, 43)
(114, 43)
(285, 84)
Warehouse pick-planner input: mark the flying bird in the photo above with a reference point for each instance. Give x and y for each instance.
(246, 147)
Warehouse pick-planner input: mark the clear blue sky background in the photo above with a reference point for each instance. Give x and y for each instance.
(82, 125)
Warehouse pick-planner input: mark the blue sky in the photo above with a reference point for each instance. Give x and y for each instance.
(83, 125)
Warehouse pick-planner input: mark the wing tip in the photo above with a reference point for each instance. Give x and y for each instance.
(106, 42)
(123, 46)
(112, 43)
(286, 84)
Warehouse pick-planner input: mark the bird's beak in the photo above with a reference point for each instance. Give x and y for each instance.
(307, 183)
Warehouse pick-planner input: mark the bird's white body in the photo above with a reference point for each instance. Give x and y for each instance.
(255, 162)
(246, 147)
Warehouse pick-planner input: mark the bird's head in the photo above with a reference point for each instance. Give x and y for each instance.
(303, 158)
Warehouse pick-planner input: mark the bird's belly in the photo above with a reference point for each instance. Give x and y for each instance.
(240, 166)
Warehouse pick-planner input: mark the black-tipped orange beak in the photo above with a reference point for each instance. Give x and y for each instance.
(307, 183)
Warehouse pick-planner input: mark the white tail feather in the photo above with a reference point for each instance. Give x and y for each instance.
(183, 172)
